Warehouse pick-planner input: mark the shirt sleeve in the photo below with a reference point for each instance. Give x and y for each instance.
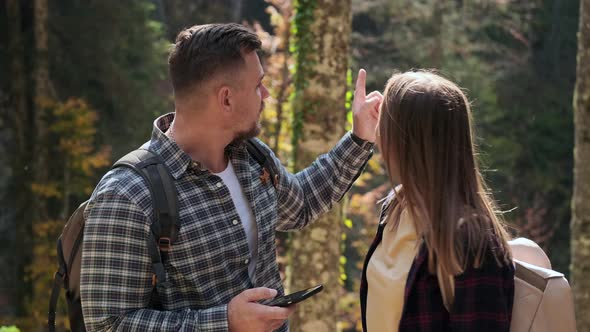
(302, 197)
(116, 274)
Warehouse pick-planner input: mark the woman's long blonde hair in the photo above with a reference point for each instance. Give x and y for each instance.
(425, 137)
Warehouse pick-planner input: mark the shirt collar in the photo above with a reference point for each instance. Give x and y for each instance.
(174, 157)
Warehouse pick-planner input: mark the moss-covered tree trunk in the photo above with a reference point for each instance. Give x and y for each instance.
(580, 268)
(322, 32)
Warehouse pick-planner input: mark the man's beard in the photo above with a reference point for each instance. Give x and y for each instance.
(250, 133)
(247, 134)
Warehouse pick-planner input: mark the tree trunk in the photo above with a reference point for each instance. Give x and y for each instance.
(42, 95)
(18, 87)
(65, 212)
(580, 225)
(436, 54)
(171, 18)
(322, 64)
(17, 288)
(236, 10)
(284, 30)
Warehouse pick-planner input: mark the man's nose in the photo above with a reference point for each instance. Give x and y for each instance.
(265, 92)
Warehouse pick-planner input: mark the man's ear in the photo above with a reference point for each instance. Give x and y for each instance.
(224, 98)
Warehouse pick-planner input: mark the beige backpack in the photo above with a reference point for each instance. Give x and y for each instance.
(543, 299)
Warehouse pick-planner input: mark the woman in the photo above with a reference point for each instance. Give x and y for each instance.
(440, 260)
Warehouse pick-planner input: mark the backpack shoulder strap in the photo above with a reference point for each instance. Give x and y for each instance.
(163, 192)
(535, 275)
(61, 276)
(163, 233)
(263, 157)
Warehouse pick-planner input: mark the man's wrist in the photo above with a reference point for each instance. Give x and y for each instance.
(366, 145)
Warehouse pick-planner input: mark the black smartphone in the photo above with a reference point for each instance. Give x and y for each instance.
(287, 300)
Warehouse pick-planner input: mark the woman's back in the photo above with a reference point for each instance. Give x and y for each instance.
(464, 262)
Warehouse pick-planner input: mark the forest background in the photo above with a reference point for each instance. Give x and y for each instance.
(82, 81)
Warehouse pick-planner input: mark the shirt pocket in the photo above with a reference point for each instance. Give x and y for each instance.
(200, 255)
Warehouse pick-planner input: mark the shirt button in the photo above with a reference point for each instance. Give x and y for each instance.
(247, 261)
(235, 222)
(219, 184)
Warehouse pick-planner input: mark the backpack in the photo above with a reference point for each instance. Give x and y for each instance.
(163, 231)
(543, 299)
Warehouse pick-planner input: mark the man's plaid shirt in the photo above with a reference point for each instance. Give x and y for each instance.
(208, 263)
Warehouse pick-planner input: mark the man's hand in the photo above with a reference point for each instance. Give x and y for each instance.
(365, 109)
(244, 313)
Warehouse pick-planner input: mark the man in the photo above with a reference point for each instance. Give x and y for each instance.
(223, 261)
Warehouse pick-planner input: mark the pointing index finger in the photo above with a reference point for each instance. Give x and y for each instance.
(360, 83)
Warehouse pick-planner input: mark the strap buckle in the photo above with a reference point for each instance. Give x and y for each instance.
(165, 244)
(158, 283)
(59, 277)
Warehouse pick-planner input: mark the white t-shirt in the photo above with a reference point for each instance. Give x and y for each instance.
(244, 212)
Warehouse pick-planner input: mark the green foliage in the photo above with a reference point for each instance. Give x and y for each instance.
(349, 97)
(517, 63)
(74, 130)
(11, 328)
(180, 14)
(530, 133)
(111, 55)
(75, 163)
(118, 66)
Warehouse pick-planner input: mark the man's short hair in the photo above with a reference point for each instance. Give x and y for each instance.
(202, 51)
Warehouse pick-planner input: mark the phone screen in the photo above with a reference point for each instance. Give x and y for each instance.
(287, 300)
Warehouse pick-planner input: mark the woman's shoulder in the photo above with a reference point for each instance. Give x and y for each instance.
(483, 243)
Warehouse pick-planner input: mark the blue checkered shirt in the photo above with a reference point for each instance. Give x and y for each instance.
(208, 263)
